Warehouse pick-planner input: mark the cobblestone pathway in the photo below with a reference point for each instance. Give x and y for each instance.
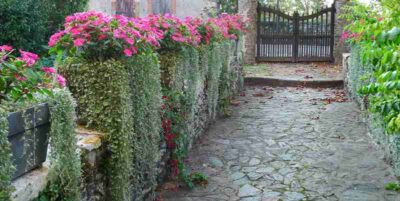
(289, 144)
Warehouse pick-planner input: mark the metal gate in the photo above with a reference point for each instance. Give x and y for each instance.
(281, 37)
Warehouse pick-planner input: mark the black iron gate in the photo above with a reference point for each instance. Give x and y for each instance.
(281, 37)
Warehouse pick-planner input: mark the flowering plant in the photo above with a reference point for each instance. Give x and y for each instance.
(21, 77)
(175, 31)
(96, 36)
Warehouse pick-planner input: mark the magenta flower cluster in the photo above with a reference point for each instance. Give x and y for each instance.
(95, 34)
(22, 76)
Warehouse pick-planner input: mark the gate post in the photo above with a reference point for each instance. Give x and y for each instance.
(333, 20)
(295, 46)
(248, 8)
(258, 31)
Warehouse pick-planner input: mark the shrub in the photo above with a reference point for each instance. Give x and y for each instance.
(376, 32)
(95, 36)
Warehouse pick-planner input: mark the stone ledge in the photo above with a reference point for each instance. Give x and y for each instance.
(30, 185)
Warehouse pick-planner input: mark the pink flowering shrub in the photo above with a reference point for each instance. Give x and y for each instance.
(95, 36)
(21, 76)
(175, 31)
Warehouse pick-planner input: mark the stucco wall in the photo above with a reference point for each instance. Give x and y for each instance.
(180, 8)
(104, 6)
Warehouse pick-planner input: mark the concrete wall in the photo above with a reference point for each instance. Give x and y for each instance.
(104, 6)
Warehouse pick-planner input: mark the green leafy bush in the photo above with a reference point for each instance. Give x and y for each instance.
(27, 24)
(376, 33)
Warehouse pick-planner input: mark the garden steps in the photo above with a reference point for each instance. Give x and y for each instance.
(313, 75)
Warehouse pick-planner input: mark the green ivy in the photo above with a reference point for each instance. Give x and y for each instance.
(112, 98)
(65, 169)
(6, 166)
(188, 73)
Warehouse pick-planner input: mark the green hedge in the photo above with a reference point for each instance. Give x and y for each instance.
(122, 98)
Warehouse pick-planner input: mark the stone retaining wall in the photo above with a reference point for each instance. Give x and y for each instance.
(93, 149)
(355, 76)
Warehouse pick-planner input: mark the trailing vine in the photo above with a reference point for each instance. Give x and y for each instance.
(6, 166)
(112, 100)
(65, 169)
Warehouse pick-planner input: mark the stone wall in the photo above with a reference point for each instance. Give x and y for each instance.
(355, 74)
(93, 151)
(339, 47)
(248, 8)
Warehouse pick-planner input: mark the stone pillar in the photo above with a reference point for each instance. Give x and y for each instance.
(248, 8)
(339, 47)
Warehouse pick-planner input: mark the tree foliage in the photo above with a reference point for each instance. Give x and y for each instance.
(27, 24)
(301, 6)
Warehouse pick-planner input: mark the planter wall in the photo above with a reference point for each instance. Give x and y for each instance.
(28, 136)
(122, 99)
(355, 74)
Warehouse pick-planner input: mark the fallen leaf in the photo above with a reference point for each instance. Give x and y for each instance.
(258, 95)
(170, 186)
(235, 103)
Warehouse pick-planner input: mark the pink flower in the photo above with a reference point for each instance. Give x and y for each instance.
(127, 52)
(129, 41)
(345, 35)
(55, 38)
(28, 57)
(79, 42)
(6, 48)
(102, 37)
(61, 80)
(48, 70)
(75, 31)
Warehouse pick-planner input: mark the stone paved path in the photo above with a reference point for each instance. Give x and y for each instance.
(289, 144)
